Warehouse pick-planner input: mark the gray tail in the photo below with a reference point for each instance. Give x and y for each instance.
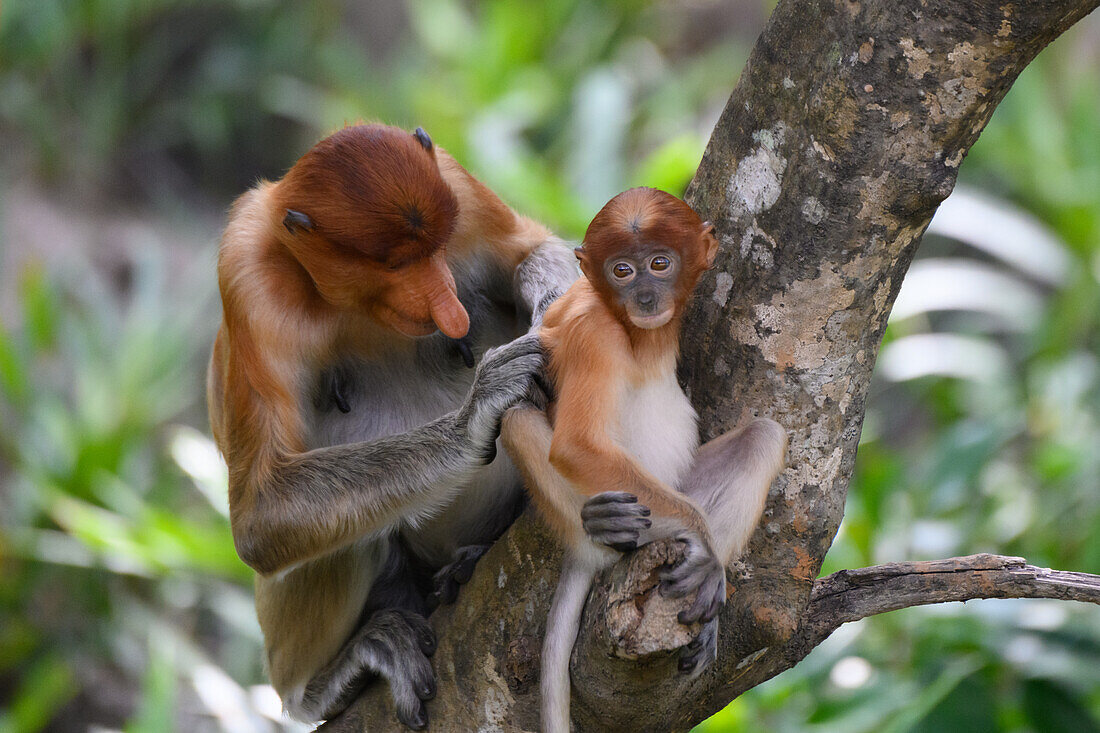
(561, 632)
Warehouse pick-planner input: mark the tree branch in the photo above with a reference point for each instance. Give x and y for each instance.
(850, 595)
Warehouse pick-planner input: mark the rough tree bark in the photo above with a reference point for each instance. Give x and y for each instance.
(845, 132)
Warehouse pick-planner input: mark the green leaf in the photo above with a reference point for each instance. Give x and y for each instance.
(41, 308)
(918, 712)
(671, 166)
(47, 685)
(157, 710)
(14, 379)
(1052, 708)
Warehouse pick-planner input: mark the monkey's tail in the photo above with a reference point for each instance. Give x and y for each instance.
(561, 632)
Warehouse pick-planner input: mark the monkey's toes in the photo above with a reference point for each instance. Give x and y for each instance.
(684, 577)
(446, 582)
(417, 719)
(700, 652)
(709, 599)
(422, 632)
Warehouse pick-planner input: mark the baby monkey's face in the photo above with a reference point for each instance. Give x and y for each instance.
(644, 283)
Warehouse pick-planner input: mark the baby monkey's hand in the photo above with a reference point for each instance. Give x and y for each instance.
(615, 519)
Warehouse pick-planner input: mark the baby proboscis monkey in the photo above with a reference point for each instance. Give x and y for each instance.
(619, 461)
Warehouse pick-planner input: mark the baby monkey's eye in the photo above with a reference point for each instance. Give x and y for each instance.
(659, 263)
(622, 270)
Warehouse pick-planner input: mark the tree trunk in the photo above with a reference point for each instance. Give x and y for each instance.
(842, 137)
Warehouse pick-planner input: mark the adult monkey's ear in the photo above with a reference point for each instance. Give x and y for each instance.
(296, 221)
(710, 242)
(423, 139)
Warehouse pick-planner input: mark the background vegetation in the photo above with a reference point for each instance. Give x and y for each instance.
(127, 127)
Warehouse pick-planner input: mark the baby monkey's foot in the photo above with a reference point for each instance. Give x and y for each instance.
(700, 652)
(698, 571)
(446, 581)
(615, 519)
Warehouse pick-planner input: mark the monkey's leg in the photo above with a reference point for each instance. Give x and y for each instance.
(332, 625)
(394, 644)
(729, 481)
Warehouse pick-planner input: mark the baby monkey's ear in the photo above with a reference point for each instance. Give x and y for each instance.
(586, 263)
(710, 242)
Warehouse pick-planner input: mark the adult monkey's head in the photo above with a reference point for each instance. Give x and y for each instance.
(368, 215)
(643, 253)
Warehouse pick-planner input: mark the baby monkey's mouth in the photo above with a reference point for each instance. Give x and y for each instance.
(650, 322)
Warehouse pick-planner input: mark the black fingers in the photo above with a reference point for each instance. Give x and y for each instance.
(610, 497)
(708, 602)
(422, 631)
(458, 572)
(521, 358)
(700, 573)
(609, 525)
(701, 651)
(504, 378)
(396, 644)
(613, 504)
(416, 719)
(435, 600)
(615, 519)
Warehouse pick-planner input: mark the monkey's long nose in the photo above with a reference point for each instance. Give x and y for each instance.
(448, 314)
(443, 303)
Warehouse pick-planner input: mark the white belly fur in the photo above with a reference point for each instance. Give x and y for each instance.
(657, 425)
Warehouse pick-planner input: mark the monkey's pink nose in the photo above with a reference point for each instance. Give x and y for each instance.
(448, 313)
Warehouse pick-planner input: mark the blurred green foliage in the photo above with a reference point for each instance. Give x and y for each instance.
(122, 602)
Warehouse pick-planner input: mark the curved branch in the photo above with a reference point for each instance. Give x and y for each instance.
(850, 595)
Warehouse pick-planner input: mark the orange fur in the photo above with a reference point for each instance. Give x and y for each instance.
(591, 356)
(595, 351)
(612, 360)
(294, 300)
